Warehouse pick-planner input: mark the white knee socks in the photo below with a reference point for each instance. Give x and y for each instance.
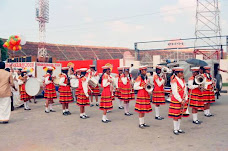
(126, 108)
(157, 114)
(104, 118)
(179, 122)
(175, 125)
(120, 103)
(141, 120)
(194, 116)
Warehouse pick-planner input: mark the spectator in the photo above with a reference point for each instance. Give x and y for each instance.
(131, 68)
(6, 81)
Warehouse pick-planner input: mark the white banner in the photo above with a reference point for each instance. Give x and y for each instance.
(29, 66)
(41, 72)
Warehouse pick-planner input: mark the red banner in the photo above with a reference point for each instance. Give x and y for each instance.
(76, 64)
(114, 64)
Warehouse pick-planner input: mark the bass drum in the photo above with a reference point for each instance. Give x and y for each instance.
(32, 87)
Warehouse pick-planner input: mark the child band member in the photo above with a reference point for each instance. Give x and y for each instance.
(195, 95)
(78, 76)
(143, 104)
(119, 83)
(158, 92)
(65, 91)
(49, 90)
(95, 91)
(179, 98)
(106, 82)
(126, 90)
(83, 96)
(22, 79)
(209, 92)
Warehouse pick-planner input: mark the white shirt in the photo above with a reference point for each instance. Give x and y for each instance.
(105, 82)
(160, 82)
(175, 91)
(61, 81)
(125, 79)
(137, 84)
(46, 80)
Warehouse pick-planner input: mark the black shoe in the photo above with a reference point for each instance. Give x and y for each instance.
(141, 126)
(21, 106)
(197, 122)
(127, 114)
(181, 131)
(121, 107)
(68, 112)
(26, 109)
(207, 115)
(91, 105)
(104, 121)
(65, 113)
(97, 104)
(146, 125)
(4, 122)
(52, 111)
(86, 116)
(46, 111)
(130, 113)
(35, 102)
(108, 120)
(211, 115)
(176, 132)
(159, 118)
(83, 117)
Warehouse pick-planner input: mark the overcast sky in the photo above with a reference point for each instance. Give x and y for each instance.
(117, 23)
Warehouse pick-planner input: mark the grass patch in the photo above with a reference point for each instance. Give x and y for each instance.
(225, 84)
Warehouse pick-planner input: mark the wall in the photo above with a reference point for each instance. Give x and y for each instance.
(224, 66)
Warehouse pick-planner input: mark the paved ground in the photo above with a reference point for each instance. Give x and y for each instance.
(34, 130)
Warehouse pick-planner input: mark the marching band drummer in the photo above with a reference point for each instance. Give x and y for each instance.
(119, 83)
(158, 91)
(106, 82)
(195, 95)
(22, 79)
(142, 104)
(178, 99)
(83, 96)
(65, 95)
(209, 92)
(126, 90)
(49, 90)
(95, 91)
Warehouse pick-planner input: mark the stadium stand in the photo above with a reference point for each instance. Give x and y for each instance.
(72, 52)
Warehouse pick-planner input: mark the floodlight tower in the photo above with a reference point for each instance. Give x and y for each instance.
(42, 16)
(207, 29)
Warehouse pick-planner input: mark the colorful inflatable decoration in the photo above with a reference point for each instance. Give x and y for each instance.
(28, 69)
(46, 68)
(14, 43)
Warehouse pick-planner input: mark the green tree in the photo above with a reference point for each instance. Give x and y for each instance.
(4, 51)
